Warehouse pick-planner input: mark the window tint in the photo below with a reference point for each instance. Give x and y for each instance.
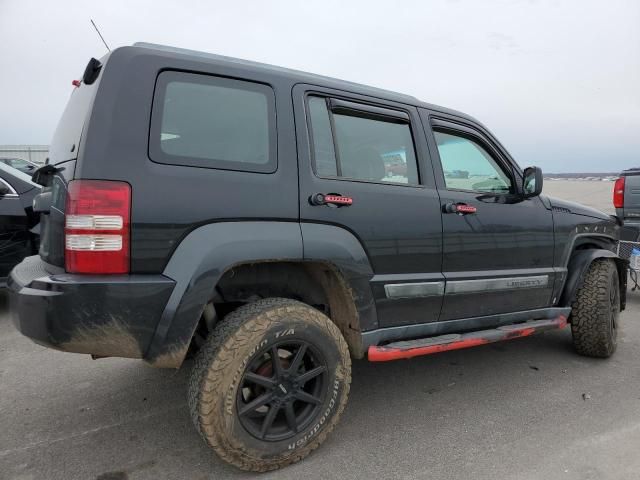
(374, 150)
(66, 138)
(324, 153)
(468, 166)
(213, 122)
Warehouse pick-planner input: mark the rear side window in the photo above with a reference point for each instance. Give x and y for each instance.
(323, 150)
(360, 148)
(66, 139)
(214, 122)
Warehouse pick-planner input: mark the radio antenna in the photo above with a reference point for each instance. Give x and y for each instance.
(101, 37)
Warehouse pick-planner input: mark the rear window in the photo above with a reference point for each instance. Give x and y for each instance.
(214, 122)
(66, 139)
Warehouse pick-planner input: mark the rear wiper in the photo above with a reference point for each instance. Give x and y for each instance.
(44, 173)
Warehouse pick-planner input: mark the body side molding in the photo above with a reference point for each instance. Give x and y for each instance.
(495, 284)
(410, 290)
(453, 287)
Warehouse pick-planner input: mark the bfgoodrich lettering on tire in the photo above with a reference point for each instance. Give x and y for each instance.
(595, 312)
(270, 384)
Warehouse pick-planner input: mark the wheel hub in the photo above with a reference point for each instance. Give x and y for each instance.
(286, 389)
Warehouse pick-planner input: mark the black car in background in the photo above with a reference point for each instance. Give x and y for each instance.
(20, 164)
(17, 219)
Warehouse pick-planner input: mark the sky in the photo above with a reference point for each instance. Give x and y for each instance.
(558, 82)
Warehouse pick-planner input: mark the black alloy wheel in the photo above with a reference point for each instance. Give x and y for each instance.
(281, 391)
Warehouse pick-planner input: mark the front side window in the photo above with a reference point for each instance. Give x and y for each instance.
(213, 122)
(468, 166)
(361, 148)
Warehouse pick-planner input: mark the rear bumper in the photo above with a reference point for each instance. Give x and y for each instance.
(102, 315)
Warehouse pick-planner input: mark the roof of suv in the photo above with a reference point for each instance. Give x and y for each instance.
(303, 77)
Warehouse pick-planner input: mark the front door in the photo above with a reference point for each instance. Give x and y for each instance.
(497, 246)
(374, 152)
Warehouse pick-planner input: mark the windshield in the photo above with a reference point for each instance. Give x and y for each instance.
(19, 164)
(20, 181)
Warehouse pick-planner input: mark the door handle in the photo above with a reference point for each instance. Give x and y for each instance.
(334, 199)
(459, 208)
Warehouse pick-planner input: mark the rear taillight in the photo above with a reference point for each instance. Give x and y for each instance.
(97, 227)
(618, 193)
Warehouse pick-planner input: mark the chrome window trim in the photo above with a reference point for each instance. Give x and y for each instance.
(13, 190)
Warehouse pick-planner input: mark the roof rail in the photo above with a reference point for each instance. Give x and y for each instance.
(249, 63)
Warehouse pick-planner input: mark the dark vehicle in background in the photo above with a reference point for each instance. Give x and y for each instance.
(21, 164)
(626, 200)
(626, 197)
(243, 214)
(16, 219)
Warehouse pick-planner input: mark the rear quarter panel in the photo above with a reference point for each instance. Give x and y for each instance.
(169, 201)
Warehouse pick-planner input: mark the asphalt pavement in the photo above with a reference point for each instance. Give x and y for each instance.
(526, 409)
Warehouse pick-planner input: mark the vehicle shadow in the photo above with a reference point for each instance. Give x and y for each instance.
(121, 417)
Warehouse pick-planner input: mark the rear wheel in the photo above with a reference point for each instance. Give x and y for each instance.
(596, 310)
(270, 384)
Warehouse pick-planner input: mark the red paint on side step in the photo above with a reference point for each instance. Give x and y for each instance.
(388, 353)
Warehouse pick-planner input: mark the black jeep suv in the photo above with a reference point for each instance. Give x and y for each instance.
(276, 224)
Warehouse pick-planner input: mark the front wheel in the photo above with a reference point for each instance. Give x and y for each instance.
(596, 310)
(270, 384)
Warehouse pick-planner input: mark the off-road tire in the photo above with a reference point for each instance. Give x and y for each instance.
(220, 365)
(595, 311)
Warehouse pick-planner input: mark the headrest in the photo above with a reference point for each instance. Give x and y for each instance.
(364, 163)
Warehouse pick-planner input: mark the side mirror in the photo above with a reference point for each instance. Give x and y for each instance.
(4, 189)
(532, 182)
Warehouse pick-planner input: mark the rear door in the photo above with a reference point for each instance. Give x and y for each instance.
(373, 153)
(498, 251)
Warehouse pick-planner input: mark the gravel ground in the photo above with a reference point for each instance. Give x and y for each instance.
(593, 194)
(526, 409)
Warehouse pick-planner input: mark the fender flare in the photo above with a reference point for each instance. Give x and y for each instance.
(207, 252)
(196, 266)
(579, 264)
(343, 250)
